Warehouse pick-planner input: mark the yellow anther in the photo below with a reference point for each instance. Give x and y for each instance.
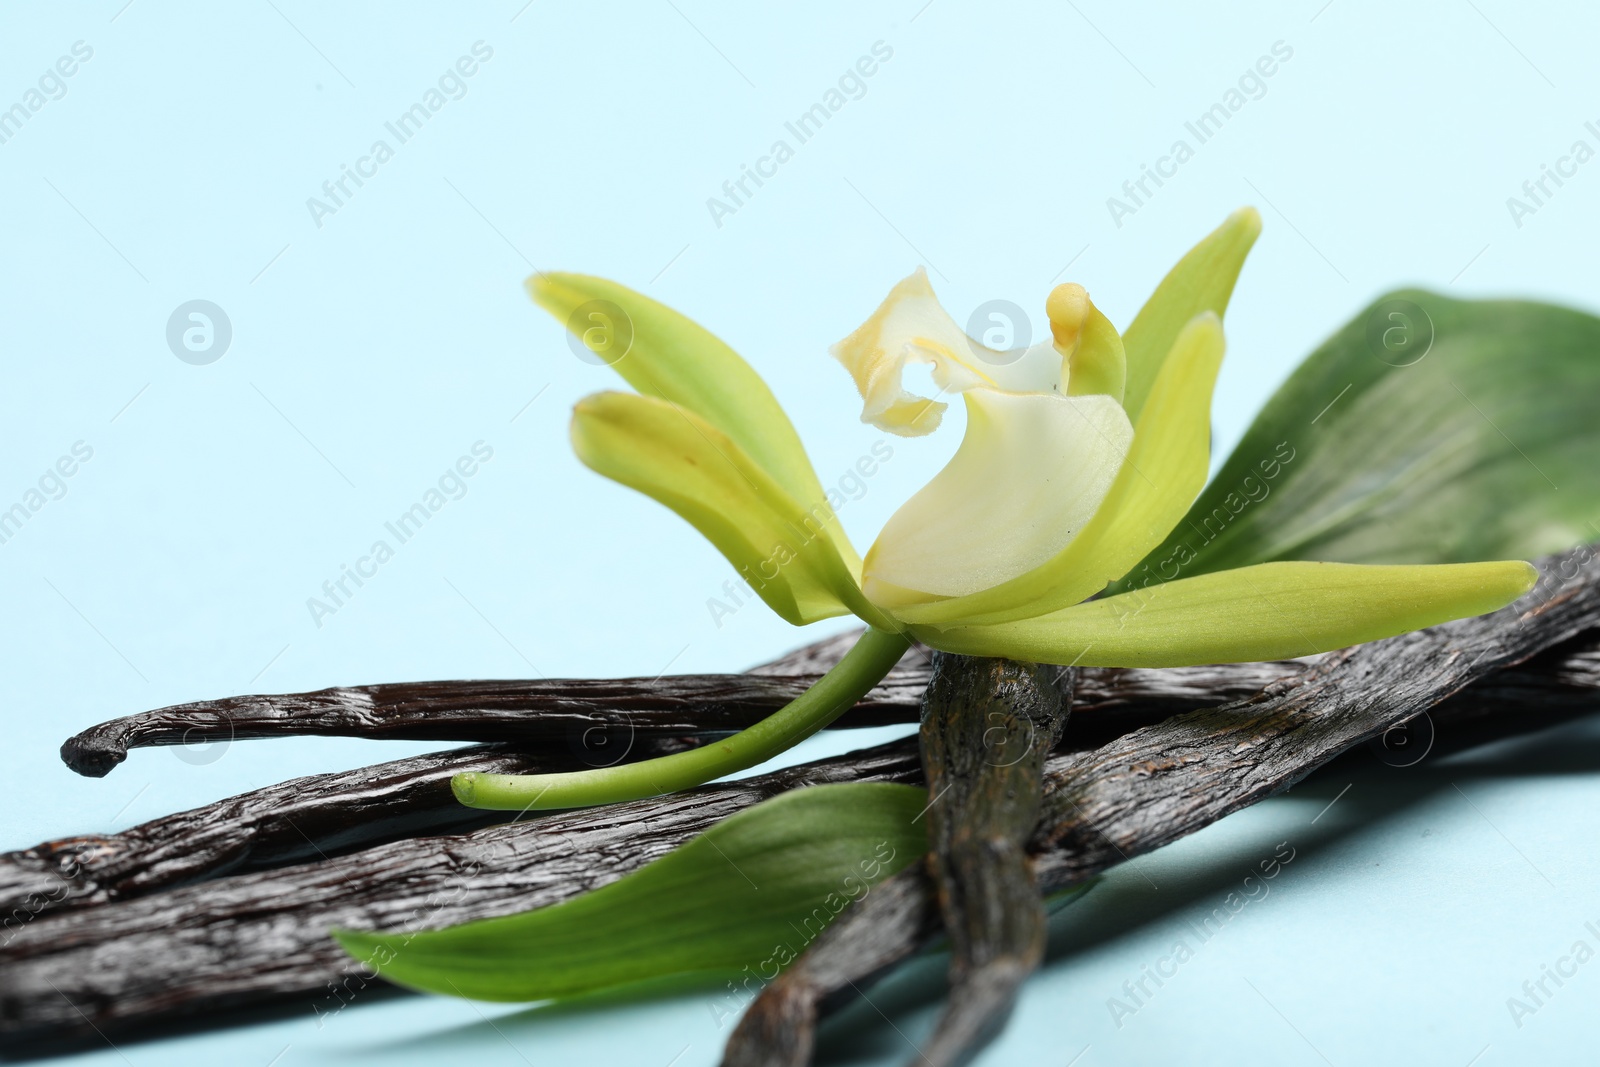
(1088, 343)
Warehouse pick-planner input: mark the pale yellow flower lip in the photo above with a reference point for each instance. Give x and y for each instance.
(1035, 462)
(1030, 473)
(911, 326)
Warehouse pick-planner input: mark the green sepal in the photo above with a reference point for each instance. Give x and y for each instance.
(1265, 612)
(1202, 281)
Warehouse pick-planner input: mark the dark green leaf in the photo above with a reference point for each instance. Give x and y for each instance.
(752, 892)
(1487, 446)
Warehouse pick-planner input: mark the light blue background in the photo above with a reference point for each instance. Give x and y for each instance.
(372, 351)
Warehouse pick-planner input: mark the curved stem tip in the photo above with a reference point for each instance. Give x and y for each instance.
(863, 667)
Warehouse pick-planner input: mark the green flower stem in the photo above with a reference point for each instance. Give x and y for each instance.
(863, 667)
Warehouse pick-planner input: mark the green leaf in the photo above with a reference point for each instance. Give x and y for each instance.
(668, 355)
(679, 459)
(1202, 281)
(752, 891)
(1268, 611)
(1485, 448)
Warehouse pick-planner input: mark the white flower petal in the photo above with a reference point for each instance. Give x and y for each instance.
(1029, 474)
(910, 326)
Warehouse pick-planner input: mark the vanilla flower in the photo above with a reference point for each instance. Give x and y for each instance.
(1081, 454)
